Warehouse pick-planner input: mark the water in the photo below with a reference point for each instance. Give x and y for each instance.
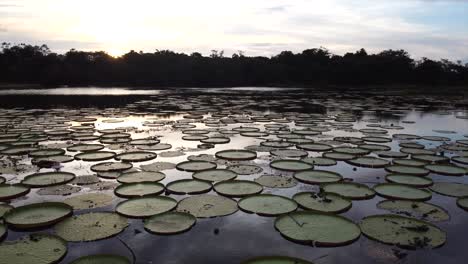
(242, 235)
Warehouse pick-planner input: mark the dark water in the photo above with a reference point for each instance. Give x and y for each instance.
(243, 235)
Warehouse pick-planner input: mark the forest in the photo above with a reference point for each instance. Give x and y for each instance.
(32, 64)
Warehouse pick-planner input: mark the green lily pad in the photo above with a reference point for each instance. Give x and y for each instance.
(129, 190)
(402, 231)
(33, 249)
(46, 152)
(37, 215)
(407, 170)
(402, 192)
(450, 189)
(91, 226)
(291, 165)
(158, 166)
(368, 162)
(95, 155)
(136, 156)
(48, 179)
(322, 202)
(317, 229)
(354, 191)
(4, 208)
(316, 147)
(320, 161)
(237, 188)
(145, 206)
(170, 223)
(111, 166)
(289, 153)
(276, 181)
(101, 259)
(195, 166)
(317, 176)
(420, 210)
(85, 147)
(188, 186)
(267, 204)
(206, 205)
(447, 170)
(215, 175)
(11, 191)
(236, 154)
(89, 201)
(245, 169)
(275, 260)
(415, 181)
(462, 202)
(140, 176)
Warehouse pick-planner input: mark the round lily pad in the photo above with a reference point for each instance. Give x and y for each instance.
(275, 260)
(450, 189)
(462, 202)
(315, 147)
(188, 186)
(291, 165)
(33, 249)
(111, 166)
(245, 169)
(368, 162)
(420, 210)
(206, 205)
(461, 160)
(170, 223)
(37, 215)
(194, 166)
(236, 154)
(89, 201)
(289, 153)
(129, 190)
(11, 191)
(409, 162)
(46, 162)
(215, 175)
(415, 181)
(317, 229)
(85, 147)
(91, 226)
(402, 192)
(276, 181)
(4, 208)
(339, 156)
(136, 156)
(447, 170)
(237, 188)
(402, 231)
(322, 202)
(101, 259)
(350, 190)
(46, 152)
(158, 166)
(267, 204)
(407, 170)
(48, 179)
(95, 155)
(140, 176)
(317, 176)
(320, 161)
(145, 206)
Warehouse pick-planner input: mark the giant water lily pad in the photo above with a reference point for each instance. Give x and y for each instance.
(320, 161)
(322, 202)
(33, 249)
(450, 189)
(95, 155)
(111, 166)
(289, 153)
(291, 165)
(37, 215)
(158, 166)
(48, 179)
(462, 202)
(317, 229)
(276, 181)
(194, 166)
(237, 188)
(402, 192)
(136, 156)
(317, 176)
(275, 260)
(140, 176)
(206, 205)
(402, 231)
(145, 206)
(170, 223)
(245, 169)
(368, 162)
(215, 175)
(89, 201)
(415, 181)
(4, 208)
(189, 186)
(420, 210)
(91, 226)
(355, 191)
(407, 170)
(11, 191)
(101, 259)
(267, 204)
(236, 154)
(129, 190)
(446, 170)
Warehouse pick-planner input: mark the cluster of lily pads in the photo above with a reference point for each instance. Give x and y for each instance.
(127, 165)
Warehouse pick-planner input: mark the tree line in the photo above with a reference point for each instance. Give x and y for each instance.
(164, 68)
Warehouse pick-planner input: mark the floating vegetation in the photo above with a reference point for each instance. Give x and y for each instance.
(33, 249)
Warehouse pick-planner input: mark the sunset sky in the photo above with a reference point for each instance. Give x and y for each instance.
(430, 28)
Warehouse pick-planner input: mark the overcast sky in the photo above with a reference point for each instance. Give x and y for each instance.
(426, 28)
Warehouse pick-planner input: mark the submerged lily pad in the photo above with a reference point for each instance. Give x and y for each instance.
(245, 169)
(276, 181)
(206, 205)
(267, 204)
(65, 189)
(145, 206)
(322, 202)
(89, 201)
(317, 229)
(91, 226)
(170, 223)
(402, 231)
(33, 249)
(37, 215)
(158, 166)
(420, 210)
